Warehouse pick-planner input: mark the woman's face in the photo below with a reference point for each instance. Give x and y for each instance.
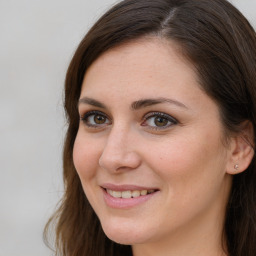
(149, 150)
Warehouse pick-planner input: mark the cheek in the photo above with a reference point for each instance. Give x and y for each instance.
(85, 157)
(192, 177)
(190, 164)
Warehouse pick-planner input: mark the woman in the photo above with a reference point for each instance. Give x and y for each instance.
(160, 99)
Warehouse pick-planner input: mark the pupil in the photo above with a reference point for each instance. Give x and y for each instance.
(160, 121)
(99, 119)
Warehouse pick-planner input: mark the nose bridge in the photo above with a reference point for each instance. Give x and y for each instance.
(117, 136)
(117, 142)
(119, 150)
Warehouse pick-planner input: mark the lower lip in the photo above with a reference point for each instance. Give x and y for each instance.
(124, 203)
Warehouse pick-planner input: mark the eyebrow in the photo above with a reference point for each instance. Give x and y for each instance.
(149, 102)
(92, 102)
(142, 103)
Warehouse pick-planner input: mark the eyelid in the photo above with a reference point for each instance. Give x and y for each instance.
(159, 114)
(91, 112)
(87, 114)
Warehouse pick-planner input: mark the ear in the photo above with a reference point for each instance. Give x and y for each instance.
(241, 149)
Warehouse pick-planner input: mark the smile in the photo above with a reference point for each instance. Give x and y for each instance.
(126, 196)
(129, 193)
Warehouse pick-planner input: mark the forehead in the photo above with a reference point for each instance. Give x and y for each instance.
(139, 64)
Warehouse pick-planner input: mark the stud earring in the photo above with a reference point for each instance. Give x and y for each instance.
(236, 166)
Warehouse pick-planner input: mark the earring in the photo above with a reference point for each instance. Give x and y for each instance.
(236, 166)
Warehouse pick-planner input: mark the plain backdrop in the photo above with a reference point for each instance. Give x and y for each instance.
(38, 39)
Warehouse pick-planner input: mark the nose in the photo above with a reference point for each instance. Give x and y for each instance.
(119, 152)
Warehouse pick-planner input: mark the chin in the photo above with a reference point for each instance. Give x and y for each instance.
(124, 240)
(125, 235)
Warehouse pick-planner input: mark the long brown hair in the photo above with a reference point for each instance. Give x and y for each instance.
(221, 44)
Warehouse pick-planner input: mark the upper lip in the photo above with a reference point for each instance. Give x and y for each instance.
(125, 187)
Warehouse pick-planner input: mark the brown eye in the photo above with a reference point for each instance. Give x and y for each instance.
(95, 119)
(160, 121)
(98, 119)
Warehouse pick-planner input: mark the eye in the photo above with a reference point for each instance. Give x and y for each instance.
(158, 120)
(95, 119)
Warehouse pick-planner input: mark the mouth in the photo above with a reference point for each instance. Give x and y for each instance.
(129, 193)
(126, 196)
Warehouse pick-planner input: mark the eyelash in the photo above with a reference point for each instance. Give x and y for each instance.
(172, 121)
(94, 113)
(165, 117)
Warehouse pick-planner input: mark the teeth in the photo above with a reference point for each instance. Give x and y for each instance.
(116, 193)
(126, 194)
(135, 193)
(110, 192)
(143, 192)
(129, 193)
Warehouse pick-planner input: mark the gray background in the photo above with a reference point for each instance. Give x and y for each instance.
(38, 39)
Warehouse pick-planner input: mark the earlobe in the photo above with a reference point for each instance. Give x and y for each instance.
(241, 150)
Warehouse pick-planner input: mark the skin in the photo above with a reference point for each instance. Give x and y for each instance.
(186, 160)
